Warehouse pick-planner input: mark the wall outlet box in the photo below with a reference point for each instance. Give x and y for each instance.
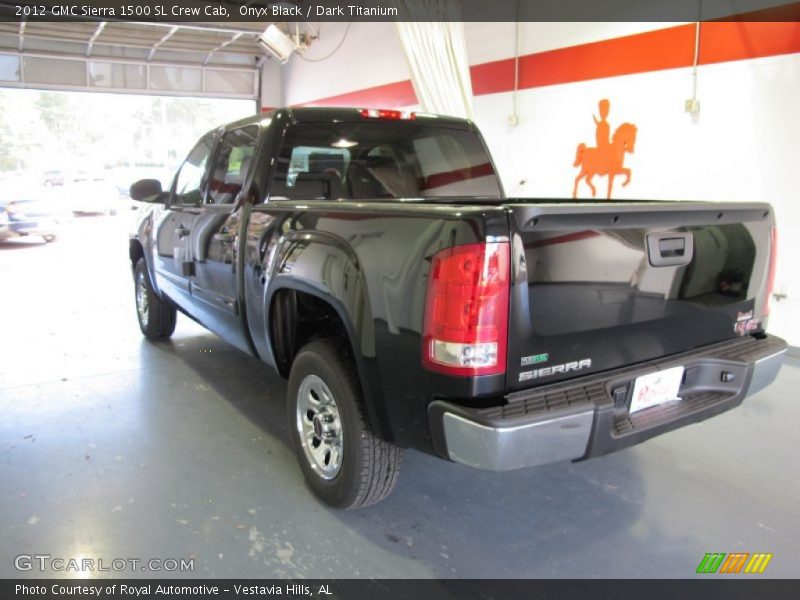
(692, 106)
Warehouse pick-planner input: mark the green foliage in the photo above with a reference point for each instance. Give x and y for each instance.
(70, 130)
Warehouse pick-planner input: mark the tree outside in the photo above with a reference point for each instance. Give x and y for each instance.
(44, 131)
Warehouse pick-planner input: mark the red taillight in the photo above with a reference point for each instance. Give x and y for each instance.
(466, 310)
(773, 261)
(384, 113)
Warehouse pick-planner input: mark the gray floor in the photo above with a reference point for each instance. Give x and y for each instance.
(111, 447)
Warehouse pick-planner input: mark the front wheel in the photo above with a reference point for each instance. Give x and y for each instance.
(156, 316)
(344, 462)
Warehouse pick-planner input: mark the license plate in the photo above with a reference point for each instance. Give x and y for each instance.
(656, 388)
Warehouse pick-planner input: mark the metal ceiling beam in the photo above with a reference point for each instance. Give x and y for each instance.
(172, 31)
(127, 61)
(113, 36)
(192, 27)
(211, 53)
(100, 26)
(128, 43)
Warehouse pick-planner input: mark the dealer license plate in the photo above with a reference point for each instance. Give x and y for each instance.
(656, 388)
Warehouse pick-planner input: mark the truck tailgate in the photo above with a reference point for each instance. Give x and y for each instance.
(601, 286)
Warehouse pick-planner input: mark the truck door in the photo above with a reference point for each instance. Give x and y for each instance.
(174, 263)
(215, 237)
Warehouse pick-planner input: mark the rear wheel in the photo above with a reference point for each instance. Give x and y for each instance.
(343, 461)
(156, 316)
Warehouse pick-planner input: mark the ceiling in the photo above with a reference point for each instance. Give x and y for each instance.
(193, 43)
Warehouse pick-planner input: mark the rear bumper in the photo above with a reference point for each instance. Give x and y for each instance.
(589, 416)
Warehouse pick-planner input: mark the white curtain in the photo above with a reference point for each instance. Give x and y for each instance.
(437, 57)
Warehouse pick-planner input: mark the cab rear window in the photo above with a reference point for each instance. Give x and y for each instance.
(379, 160)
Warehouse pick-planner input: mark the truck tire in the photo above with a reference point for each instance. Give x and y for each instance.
(156, 316)
(343, 461)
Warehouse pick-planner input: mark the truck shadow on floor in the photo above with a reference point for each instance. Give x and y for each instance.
(457, 521)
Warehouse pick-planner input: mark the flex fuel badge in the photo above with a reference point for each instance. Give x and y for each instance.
(534, 359)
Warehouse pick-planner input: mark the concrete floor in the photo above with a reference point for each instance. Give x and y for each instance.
(111, 446)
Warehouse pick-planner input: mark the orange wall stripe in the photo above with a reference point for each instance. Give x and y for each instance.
(670, 48)
(644, 52)
(728, 41)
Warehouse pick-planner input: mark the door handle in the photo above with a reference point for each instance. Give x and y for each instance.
(181, 231)
(224, 237)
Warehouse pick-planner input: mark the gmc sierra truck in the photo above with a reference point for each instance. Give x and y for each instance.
(372, 258)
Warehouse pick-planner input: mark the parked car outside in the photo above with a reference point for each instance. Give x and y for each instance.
(92, 195)
(31, 212)
(53, 177)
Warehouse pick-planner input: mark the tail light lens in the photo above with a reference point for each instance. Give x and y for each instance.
(465, 331)
(773, 261)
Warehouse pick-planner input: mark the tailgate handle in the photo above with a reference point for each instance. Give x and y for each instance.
(670, 248)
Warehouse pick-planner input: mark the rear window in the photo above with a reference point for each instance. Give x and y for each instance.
(380, 160)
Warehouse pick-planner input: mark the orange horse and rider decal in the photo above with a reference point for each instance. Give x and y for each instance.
(608, 156)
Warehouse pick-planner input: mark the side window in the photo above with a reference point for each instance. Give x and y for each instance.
(232, 164)
(190, 183)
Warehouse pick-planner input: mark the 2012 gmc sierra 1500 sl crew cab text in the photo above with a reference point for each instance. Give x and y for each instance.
(372, 258)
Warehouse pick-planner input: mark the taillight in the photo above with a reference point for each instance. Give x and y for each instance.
(773, 261)
(465, 330)
(383, 113)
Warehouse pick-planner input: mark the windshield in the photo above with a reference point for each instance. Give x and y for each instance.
(382, 159)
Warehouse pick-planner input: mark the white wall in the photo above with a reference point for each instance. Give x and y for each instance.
(743, 146)
(370, 55)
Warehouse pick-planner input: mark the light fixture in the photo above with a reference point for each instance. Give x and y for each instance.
(277, 43)
(344, 143)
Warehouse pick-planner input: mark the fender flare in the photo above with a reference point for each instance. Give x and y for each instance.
(301, 253)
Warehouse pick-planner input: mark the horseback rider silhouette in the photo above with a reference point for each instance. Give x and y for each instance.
(608, 156)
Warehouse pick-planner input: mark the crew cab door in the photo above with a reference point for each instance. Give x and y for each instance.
(215, 237)
(174, 263)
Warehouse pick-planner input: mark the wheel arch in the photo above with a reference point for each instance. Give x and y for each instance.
(299, 312)
(135, 252)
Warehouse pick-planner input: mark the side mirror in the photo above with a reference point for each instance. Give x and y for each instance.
(147, 190)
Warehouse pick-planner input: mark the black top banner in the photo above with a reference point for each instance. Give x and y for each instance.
(231, 11)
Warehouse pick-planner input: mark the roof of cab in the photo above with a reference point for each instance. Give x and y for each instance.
(325, 113)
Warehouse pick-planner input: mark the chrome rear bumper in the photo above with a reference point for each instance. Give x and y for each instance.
(537, 428)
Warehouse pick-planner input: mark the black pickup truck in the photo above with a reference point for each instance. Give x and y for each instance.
(373, 259)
